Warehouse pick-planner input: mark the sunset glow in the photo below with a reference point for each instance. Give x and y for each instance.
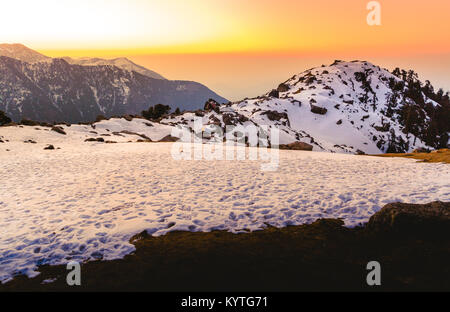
(196, 39)
(200, 26)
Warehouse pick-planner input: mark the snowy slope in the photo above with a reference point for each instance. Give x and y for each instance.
(121, 62)
(22, 53)
(85, 200)
(337, 108)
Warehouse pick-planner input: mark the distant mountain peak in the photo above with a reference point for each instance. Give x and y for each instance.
(20, 52)
(121, 62)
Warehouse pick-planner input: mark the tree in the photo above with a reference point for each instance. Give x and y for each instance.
(156, 112)
(4, 119)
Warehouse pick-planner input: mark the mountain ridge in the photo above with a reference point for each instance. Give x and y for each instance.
(33, 86)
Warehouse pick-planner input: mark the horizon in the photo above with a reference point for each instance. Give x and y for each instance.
(258, 44)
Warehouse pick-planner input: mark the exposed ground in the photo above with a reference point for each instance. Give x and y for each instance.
(439, 156)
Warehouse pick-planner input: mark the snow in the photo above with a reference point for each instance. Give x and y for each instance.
(335, 88)
(86, 200)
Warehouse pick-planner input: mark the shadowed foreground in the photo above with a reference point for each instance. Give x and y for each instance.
(411, 242)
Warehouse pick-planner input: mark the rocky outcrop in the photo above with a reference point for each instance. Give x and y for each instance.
(410, 218)
(318, 110)
(297, 146)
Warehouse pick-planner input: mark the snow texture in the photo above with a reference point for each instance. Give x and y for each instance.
(86, 200)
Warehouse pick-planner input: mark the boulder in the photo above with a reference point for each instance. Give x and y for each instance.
(274, 93)
(411, 218)
(59, 130)
(211, 105)
(169, 138)
(297, 146)
(95, 140)
(49, 147)
(318, 110)
(275, 116)
(283, 88)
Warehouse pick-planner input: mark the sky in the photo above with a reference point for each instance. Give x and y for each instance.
(238, 48)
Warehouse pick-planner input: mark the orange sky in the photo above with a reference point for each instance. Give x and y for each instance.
(192, 39)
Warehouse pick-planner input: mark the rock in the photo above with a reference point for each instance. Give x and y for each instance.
(383, 128)
(297, 146)
(211, 105)
(274, 93)
(30, 141)
(59, 130)
(169, 138)
(228, 120)
(283, 88)
(275, 116)
(49, 147)
(100, 118)
(411, 218)
(128, 117)
(95, 140)
(360, 152)
(339, 122)
(27, 122)
(318, 110)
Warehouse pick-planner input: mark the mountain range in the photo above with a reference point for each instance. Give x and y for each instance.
(346, 107)
(34, 86)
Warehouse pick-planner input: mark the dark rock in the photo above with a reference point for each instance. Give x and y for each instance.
(49, 147)
(27, 122)
(274, 93)
(383, 128)
(127, 117)
(339, 122)
(411, 218)
(275, 116)
(211, 105)
(297, 146)
(59, 130)
(228, 120)
(318, 110)
(95, 140)
(283, 88)
(359, 152)
(169, 138)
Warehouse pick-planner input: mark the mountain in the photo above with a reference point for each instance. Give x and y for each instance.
(348, 107)
(22, 53)
(121, 62)
(33, 86)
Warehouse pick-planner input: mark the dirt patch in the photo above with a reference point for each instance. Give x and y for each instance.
(438, 156)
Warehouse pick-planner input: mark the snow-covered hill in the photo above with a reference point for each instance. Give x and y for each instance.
(345, 107)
